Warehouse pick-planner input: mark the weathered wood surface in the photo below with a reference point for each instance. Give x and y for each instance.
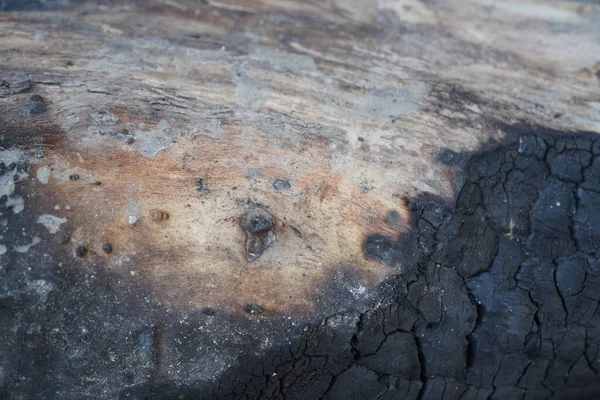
(180, 116)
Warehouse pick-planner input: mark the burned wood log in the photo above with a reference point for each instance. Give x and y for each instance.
(299, 200)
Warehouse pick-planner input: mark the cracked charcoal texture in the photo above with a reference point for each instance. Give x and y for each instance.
(497, 299)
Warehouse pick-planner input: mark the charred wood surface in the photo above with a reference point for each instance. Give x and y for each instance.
(299, 200)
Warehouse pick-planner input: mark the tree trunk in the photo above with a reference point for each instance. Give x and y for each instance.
(339, 199)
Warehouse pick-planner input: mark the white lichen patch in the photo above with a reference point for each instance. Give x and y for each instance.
(132, 211)
(7, 181)
(7, 185)
(57, 169)
(17, 203)
(43, 174)
(51, 222)
(210, 127)
(60, 175)
(3, 249)
(149, 143)
(24, 248)
(72, 120)
(104, 118)
(249, 93)
(383, 101)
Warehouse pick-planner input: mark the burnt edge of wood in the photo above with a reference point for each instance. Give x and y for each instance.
(497, 297)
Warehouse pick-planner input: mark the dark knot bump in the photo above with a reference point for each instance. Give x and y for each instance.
(257, 220)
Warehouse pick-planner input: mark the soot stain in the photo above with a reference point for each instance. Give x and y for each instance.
(36, 105)
(201, 185)
(26, 136)
(9, 89)
(405, 248)
(113, 321)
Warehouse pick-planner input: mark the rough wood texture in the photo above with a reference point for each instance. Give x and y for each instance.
(142, 133)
